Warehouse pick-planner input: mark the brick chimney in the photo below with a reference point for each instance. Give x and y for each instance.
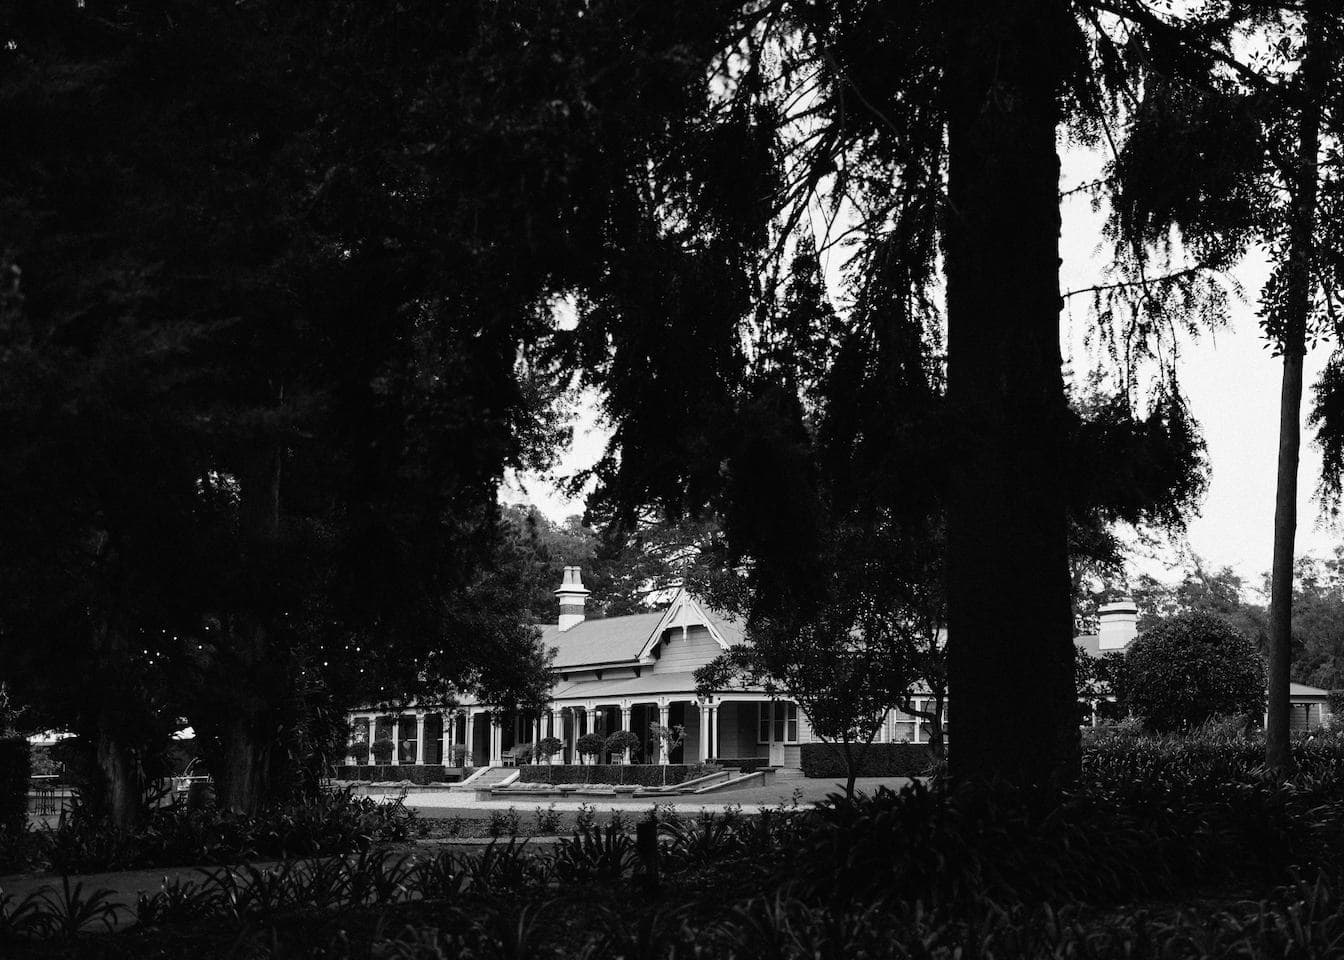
(572, 596)
(1117, 624)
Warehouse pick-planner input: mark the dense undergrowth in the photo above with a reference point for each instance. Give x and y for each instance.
(1167, 848)
(180, 835)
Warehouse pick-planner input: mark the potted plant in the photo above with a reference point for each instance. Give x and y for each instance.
(458, 753)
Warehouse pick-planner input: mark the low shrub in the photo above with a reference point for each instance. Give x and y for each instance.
(875, 760)
(15, 771)
(644, 775)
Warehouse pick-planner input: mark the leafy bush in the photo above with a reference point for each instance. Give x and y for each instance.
(503, 823)
(329, 823)
(15, 771)
(874, 760)
(548, 820)
(1189, 668)
(1335, 702)
(548, 747)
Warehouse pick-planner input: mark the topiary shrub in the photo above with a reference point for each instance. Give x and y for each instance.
(621, 741)
(382, 752)
(1188, 669)
(589, 745)
(548, 747)
(15, 771)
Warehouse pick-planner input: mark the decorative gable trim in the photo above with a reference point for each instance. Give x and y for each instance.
(683, 611)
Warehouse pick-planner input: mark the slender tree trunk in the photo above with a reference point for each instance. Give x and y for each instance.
(937, 746)
(1009, 609)
(851, 767)
(1296, 308)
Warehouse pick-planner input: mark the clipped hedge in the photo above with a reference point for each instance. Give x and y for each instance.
(15, 770)
(414, 773)
(639, 774)
(875, 760)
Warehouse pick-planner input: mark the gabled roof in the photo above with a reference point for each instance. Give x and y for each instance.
(609, 640)
(686, 611)
(631, 639)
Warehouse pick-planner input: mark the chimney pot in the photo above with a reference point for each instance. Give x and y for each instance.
(1117, 624)
(572, 597)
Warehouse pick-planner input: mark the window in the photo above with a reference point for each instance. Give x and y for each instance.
(902, 727)
(777, 722)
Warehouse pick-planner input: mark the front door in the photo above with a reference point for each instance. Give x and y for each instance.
(776, 754)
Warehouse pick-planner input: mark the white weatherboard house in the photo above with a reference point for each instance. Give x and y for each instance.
(1118, 625)
(619, 673)
(626, 673)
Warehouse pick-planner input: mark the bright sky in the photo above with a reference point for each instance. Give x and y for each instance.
(1231, 382)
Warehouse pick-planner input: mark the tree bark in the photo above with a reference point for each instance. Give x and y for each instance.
(1296, 310)
(1010, 638)
(245, 756)
(123, 787)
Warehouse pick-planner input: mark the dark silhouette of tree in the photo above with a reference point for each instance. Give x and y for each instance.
(275, 280)
(1231, 156)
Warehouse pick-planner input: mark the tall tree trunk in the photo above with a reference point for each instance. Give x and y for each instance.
(1009, 611)
(122, 783)
(1295, 311)
(245, 754)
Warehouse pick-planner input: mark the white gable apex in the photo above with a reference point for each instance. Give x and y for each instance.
(684, 611)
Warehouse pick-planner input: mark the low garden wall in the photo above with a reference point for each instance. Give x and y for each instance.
(414, 773)
(639, 774)
(875, 760)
